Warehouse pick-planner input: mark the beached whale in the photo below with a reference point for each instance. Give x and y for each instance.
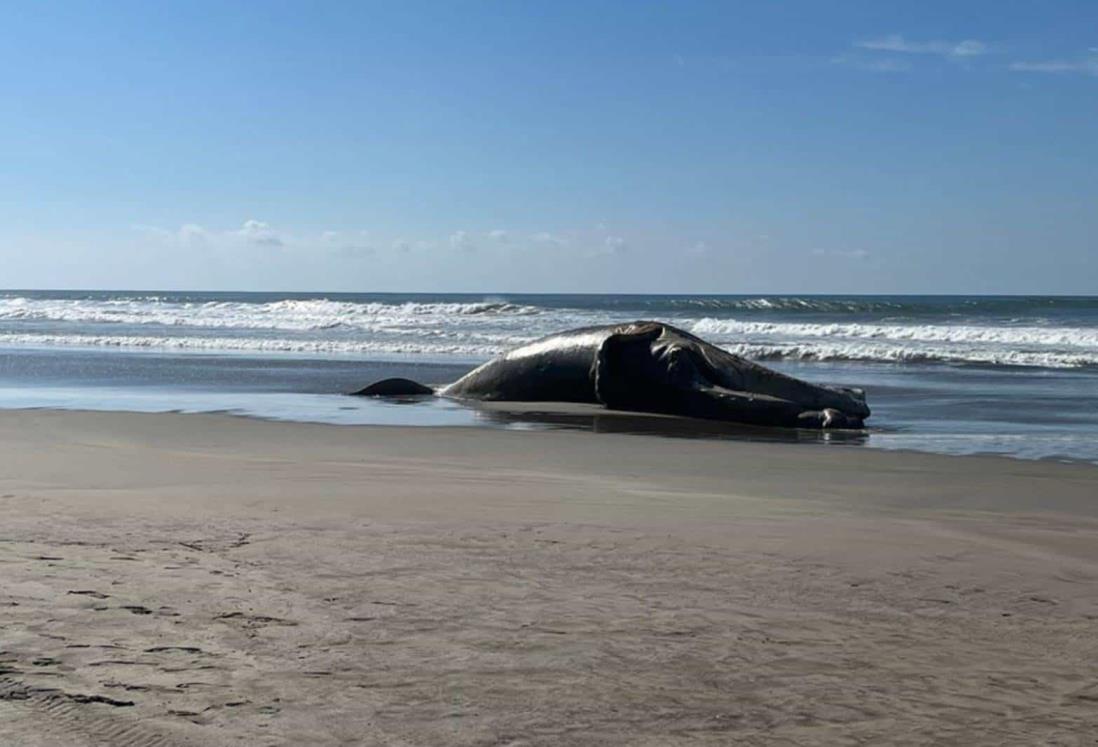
(648, 367)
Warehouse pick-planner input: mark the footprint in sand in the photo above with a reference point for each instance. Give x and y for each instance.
(136, 609)
(90, 593)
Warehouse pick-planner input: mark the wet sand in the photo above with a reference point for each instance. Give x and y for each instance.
(208, 580)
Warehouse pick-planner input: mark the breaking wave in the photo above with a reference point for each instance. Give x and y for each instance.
(896, 306)
(289, 314)
(478, 347)
(989, 345)
(1045, 332)
(257, 345)
(1065, 337)
(898, 354)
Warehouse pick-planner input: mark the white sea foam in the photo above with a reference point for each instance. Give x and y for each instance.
(1067, 338)
(257, 345)
(997, 345)
(845, 351)
(290, 314)
(471, 347)
(480, 329)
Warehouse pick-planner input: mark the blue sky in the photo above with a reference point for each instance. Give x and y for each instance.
(556, 146)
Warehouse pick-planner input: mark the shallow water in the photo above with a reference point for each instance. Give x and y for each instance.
(958, 411)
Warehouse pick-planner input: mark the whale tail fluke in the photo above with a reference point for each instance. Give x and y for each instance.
(396, 387)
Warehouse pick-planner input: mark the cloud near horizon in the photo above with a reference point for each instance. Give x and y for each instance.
(949, 49)
(257, 232)
(544, 237)
(615, 244)
(841, 253)
(251, 232)
(462, 241)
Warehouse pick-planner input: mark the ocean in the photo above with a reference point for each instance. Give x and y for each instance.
(1013, 375)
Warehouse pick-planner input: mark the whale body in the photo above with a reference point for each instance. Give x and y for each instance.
(648, 366)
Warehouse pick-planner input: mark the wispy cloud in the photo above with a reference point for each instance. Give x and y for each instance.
(950, 49)
(152, 231)
(499, 235)
(462, 241)
(260, 235)
(550, 239)
(257, 232)
(352, 245)
(1081, 66)
(615, 244)
(873, 64)
(720, 63)
(192, 234)
(606, 246)
(841, 253)
(188, 235)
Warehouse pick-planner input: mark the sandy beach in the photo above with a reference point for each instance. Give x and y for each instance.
(510, 374)
(209, 580)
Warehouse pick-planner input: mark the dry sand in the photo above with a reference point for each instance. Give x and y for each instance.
(205, 580)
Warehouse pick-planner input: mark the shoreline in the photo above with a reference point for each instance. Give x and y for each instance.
(651, 428)
(212, 579)
(946, 374)
(572, 418)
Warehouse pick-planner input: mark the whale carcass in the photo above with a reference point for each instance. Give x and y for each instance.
(649, 366)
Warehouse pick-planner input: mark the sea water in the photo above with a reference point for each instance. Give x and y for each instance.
(955, 374)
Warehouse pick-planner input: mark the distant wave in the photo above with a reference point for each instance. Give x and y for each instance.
(290, 314)
(898, 354)
(1048, 336)
(255, 345)
(469, 347)
(900, 306)
(441, 327)
(993, 345)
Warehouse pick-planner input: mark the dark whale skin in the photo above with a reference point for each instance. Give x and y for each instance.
(394, 387)
(654, 367)
(557, 368)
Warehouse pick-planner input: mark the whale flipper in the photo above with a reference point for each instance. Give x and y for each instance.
(395, 387)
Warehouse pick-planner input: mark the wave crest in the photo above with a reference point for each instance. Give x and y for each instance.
(1065, 337)
(456, 327)
(289, 314)
(478, 347)
(895, 354)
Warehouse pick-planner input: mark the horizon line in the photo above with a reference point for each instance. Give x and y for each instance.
(548, 293)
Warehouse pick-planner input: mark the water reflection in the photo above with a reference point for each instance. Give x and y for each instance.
(1029, 441)
(599, 420)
